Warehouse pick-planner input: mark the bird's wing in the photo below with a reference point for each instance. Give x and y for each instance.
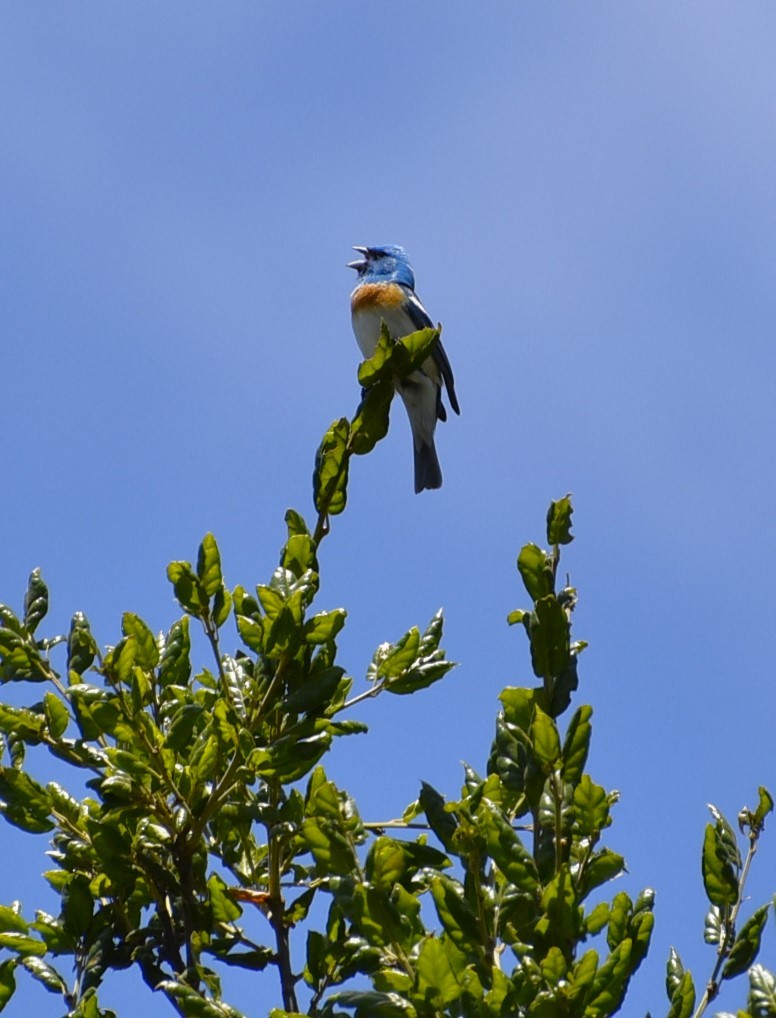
(421, 320)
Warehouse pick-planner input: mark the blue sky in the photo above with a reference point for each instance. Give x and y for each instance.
(587, 195)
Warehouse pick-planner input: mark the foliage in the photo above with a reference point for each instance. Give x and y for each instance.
(208, 796)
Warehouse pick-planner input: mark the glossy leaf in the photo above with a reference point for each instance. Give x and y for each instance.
(719, 874)
(174, 665)
(370, 1004)
(325, 626)
(45, 974)
(674, 972)
(36, 601)
(507, 850)
(762, 992)
(22, 723)
(81, 648)
(535, 568)
(682, 998)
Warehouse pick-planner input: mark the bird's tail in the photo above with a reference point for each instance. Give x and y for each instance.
(428, 473)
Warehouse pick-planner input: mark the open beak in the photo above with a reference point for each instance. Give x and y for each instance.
(359, 263)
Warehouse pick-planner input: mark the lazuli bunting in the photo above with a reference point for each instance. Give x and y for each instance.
(385, 292)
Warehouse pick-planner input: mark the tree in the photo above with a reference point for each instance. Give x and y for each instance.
(211, 815)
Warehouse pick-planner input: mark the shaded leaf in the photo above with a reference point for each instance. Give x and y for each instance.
(330, 478)
(559, 521)
(36, 601)
(746, 945)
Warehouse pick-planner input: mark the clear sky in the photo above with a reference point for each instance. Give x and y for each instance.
(587, 192)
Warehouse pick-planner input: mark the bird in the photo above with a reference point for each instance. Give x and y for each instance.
(385, 292)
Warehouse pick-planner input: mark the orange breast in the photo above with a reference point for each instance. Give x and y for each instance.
(377, 296)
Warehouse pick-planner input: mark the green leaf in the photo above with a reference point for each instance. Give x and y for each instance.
(120, 661)
(370, 425)
(603, 866)
(764, 805)
(561, 921)
(22, 723)
(81, 648)
(187, 718)
(7, 981)
(674, 972)
(324, 627)
(620, 914)
(535, 567)
(188, 590)
(11, 920)
(223, 907)
(330, 478)
(192, 1003)
(413, 662)
(379, 367)
(370, 1004)
(57, 716)
(442, 823)
(720, 878)
(20, 659)
(553, 966)
(559, 521)
(175, 666)
(610, 982)
(460, 922)
(507, 850)
(413, 350)
(683, 998)
(549, 635)
(436, 985)
(577, 744)
(299, 553)
(146, 650)
(545, 739)
(36, 601)
(746, 945)
(25, 803)
(209, 566)
(77, 905)
(591, 805)
(519, 705)
(331, 847)
(22, 944)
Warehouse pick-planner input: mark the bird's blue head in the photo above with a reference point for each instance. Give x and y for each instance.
(386, 264)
